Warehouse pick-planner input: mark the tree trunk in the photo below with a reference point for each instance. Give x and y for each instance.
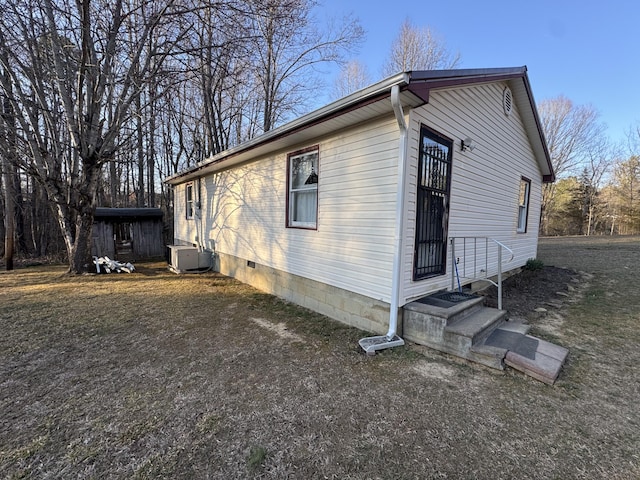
(113, 183)
(19, 215)
(76, 218)
(9, 185)
(1, 202)
(9, 219)
(141, 167)
(80, 254)
(151, 154)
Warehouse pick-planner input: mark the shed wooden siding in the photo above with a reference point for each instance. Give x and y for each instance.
(244, 212)
(102, 239)
(485, 181)
(146, 236)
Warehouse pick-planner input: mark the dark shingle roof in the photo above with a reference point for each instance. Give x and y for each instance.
(127, 213)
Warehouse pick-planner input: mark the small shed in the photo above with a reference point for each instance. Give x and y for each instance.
(127, 233)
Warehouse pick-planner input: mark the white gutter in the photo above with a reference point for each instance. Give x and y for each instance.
(391, 339)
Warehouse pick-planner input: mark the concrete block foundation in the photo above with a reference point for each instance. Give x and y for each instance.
(347, 307)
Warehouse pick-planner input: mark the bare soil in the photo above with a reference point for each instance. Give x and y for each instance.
(154, 375)
(529, 290)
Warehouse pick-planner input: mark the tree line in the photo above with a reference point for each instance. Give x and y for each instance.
(100, 100)
(581, 206)
(598, 187)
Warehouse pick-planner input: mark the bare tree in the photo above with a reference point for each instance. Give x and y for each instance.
(418, 48)
(633, 140)
(13, 204)
(598, 161)
(73, 73)
(222, 67)
(574, 138)
(7, 161)
(626, 195)
(147, 88)
(288, 48)
(353, 76)
(570, 130)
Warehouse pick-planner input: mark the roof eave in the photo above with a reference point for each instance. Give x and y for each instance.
(418, 83)
(354, 100)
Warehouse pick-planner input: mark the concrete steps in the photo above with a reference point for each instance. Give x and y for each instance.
(473, 329)
(481, 334)
(456, 328)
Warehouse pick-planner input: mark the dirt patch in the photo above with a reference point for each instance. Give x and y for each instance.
(540, 297)
(529, 290)
(434, 370)
(280, 329)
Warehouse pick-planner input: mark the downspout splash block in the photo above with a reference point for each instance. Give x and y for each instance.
(372, 344)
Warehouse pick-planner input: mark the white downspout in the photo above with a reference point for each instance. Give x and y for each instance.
(397, 251)
(391, 339)
(197, 212)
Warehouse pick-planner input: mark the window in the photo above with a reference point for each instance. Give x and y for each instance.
(189, 200)
(523, 205)
(302, 185)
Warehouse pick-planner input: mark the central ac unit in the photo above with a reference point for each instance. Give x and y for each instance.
(185, 258)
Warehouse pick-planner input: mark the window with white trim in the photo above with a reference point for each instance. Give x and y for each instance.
(523, 204)
(189, 200)
(302, 185)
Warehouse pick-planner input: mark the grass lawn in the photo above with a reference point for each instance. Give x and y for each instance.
(155, 375)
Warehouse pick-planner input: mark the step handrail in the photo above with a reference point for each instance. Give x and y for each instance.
(455, 260)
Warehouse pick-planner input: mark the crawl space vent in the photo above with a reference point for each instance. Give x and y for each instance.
(507, 101)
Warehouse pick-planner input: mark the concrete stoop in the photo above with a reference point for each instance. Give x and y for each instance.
(481, 334)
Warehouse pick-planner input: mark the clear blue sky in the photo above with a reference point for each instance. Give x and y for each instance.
(588, 51)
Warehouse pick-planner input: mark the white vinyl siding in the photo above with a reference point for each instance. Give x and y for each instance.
(485, 181)
(184, 228)
(352, 248)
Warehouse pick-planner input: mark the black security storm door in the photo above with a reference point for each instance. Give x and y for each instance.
(432, 206)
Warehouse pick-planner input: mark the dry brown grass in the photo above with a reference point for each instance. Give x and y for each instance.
(153, 375)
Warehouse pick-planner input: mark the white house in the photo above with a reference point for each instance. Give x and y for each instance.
(353, 210)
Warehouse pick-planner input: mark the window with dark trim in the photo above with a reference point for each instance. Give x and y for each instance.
(523, 204)
(302, 188)
(189, 200)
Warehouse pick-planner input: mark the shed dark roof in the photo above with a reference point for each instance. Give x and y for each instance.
(127, 213)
